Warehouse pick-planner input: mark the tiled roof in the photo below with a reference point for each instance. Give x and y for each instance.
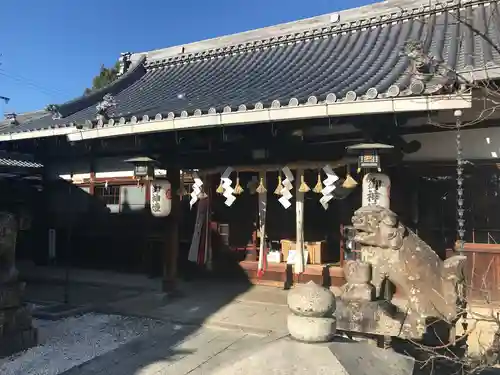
(17, 161)
(361, 59)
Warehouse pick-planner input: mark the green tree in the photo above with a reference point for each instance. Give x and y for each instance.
(104, 78)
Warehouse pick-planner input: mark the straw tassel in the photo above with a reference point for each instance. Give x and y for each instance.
(303, 188)
(349, 182)
(220, 189)
(238, 189)
(261, 189)
(278, 189)
(319, 186)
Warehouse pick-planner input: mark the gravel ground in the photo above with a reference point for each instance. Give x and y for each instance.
(75, 340)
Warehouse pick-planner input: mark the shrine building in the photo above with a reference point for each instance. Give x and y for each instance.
(251, 132)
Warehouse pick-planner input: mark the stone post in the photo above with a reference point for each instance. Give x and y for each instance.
(16, 330)
(376, 191)
(311, 317)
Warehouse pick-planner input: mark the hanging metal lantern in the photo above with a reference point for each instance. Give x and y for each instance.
(369, 154)
(144, 168)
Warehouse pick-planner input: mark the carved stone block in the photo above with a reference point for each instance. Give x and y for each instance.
(358, 292)
(357, 272)
(8, 237)
(357, 287)
(11, 295)
(311, 329)
(16, 319)
(16, 330)
(376, 318)
(311, 299)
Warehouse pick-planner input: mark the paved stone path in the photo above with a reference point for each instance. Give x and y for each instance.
(175, 350)
(210, 324)
(259, 309)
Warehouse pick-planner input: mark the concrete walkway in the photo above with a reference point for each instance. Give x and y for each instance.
(238, 309)
(259, 309)
(209, 324)
(175, 351)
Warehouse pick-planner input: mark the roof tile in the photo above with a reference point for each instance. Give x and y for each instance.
(353, 61)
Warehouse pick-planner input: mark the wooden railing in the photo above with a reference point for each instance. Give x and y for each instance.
(482, 271)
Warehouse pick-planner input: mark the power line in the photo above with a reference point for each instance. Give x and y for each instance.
(51, 92)
(17, 78)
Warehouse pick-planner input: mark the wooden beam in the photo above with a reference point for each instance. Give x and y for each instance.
(275, 167)
(171, 250)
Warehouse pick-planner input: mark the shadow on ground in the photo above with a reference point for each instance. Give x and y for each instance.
(184, 344)
(442, 361)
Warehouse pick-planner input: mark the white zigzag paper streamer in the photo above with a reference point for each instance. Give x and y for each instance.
(287, 187)
(226, 185)
(329, 186)
(198, 183)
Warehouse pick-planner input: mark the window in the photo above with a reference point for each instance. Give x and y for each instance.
(109, 195)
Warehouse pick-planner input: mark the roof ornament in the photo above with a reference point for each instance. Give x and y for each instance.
(54, 110)
(124, 62)
(422, 62)
(103, 108)
(12, 118)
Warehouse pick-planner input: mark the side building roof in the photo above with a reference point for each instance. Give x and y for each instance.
(356, 55)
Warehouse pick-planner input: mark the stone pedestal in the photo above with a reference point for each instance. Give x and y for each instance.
(16, 330)
(311, 313)
(357, 287)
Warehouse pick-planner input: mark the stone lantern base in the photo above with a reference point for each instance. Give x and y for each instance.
(16, 330)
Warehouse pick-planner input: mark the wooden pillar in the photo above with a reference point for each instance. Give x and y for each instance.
(171, 251)
(299, 221)
(262, 226)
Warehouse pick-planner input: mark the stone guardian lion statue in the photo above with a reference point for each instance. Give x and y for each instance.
(398, 254)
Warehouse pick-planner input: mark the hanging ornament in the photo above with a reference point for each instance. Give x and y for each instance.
(197, 185)
(238, 189)
(303, 188)
(319, 186)
(460, 181)
(106, 185)
(261, 188)
(349, 182)
(287, 186)
(329, 186)
(279, 187)
(220, 188)
(227, 190)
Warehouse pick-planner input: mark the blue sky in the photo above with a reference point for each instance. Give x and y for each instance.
(50, 50)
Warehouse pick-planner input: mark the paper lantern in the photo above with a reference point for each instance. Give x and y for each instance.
(161, 198)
